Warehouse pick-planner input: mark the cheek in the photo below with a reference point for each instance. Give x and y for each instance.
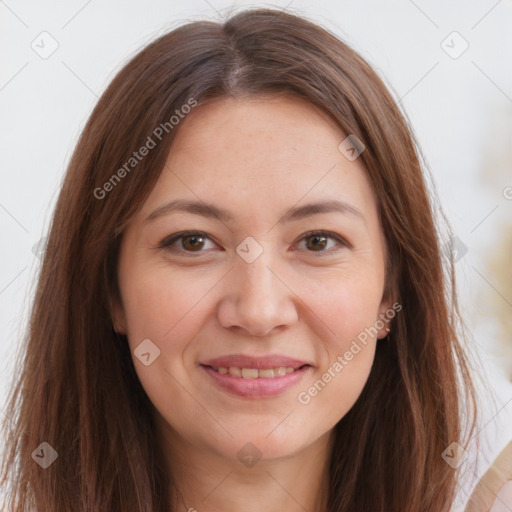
(159, 304)
(339, 381)
(166, 308)
(347, 302)
(348, 307)
(336, 390)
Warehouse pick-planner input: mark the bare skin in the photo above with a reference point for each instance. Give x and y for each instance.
(303, 297)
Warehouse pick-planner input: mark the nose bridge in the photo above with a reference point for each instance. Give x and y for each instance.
(257, 278)
(257, 300)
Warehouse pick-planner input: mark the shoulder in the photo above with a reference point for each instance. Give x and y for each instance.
(493, 493)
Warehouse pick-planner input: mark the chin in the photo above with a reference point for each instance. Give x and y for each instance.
(256, 446)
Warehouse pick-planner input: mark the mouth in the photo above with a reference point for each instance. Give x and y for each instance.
(256, 373)
(255, 383)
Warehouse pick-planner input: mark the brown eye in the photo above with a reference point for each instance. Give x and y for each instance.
(317, 242)
(192, 242)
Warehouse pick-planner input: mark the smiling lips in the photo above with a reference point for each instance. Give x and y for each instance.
(254, 373)
(256, 377)
(253, 367)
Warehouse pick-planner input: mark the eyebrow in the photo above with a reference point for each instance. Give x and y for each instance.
(215, 212)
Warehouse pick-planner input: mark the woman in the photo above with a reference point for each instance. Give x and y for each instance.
(242, 302)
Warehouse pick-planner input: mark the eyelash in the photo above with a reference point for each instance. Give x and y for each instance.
(168, 241)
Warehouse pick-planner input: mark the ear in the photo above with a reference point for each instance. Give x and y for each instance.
(117, 314)
(390, 303)
(382, 322)
(388, 309)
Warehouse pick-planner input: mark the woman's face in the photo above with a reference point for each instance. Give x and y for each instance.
(216, 320)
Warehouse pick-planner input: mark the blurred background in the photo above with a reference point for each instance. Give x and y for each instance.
(448, 64)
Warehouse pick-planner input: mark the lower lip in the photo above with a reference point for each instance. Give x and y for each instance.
(256, 388)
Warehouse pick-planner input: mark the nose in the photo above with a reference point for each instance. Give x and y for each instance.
(257, 299)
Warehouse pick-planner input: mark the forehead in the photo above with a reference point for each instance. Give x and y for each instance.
(259, 152)
(258, 130)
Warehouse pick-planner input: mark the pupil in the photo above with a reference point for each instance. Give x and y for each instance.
(319, 237)
(194, 239)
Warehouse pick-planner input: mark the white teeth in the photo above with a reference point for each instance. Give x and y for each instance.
(267, 373)
(254, 373)
(234, 371)
(250, 373)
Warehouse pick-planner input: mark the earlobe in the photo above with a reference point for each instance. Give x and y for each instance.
(385, 331)
(386, 314)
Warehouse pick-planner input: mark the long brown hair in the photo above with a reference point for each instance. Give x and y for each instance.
(76, 387)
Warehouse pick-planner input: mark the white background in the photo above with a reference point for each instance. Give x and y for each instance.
(459, 108)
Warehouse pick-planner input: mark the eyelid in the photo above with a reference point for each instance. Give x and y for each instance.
(328, 234)
(169, 240)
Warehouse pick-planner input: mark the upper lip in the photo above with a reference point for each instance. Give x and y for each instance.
(259, 362)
